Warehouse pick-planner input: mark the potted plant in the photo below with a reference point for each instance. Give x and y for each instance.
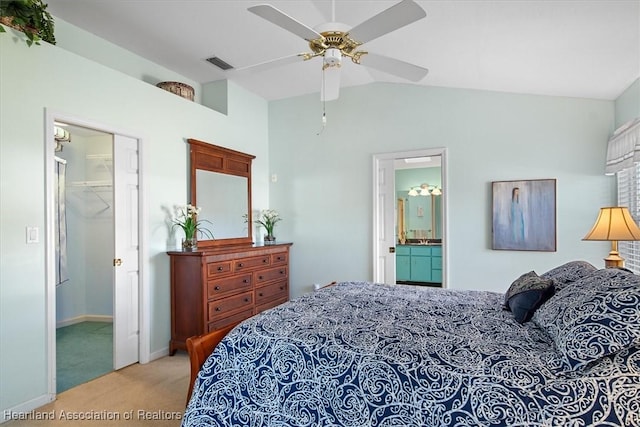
(187, 219)
(268, 219)
(30, 17)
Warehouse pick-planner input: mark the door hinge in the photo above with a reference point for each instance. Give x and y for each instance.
(392, 250)
(117, 262)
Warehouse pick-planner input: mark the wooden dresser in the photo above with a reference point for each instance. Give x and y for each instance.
(215, 287)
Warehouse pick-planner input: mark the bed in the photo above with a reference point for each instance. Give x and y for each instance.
(558, 349)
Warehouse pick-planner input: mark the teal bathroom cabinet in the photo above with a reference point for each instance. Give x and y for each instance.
(419, 263)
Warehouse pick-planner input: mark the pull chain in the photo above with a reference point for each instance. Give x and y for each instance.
(324, 107)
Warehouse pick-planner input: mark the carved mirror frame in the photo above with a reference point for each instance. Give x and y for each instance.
(209, 157)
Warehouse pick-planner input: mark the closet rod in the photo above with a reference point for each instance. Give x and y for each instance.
(104, 183)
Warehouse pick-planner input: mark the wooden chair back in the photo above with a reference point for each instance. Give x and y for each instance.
(199, 349)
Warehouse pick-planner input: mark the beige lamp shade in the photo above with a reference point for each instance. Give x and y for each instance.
(614, 224)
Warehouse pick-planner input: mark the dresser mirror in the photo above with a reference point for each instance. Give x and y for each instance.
(220, 181)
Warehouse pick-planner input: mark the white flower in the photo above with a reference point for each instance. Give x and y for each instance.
(268, 219)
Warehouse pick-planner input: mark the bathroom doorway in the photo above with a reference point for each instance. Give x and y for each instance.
(386, 236)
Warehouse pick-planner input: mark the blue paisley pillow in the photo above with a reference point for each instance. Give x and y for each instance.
(593, 317)
(526, 294)
(569, 272)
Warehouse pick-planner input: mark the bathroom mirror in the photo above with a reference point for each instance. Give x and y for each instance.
(220, 182)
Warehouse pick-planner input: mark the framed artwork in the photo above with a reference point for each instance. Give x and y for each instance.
(524, 215)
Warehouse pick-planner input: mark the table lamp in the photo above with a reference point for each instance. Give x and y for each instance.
(614, 224)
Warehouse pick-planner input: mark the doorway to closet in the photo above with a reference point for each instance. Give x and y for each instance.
(93, 235)
(84, 236)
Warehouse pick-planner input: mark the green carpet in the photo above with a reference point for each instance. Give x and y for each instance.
(84, 351)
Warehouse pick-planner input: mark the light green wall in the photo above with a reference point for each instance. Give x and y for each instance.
(628, 104)
(408, 178)
(323, 191)
(49, 77)
(324, 187)
(90, 46)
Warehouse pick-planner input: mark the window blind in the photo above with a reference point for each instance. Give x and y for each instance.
(623, 148)
(628, 180)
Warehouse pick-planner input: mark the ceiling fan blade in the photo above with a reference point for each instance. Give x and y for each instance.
(268, 65)
(330, 84)
(397, 16)
(394, 66)
(283, 20)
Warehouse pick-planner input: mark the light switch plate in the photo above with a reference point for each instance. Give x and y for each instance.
(33, 235)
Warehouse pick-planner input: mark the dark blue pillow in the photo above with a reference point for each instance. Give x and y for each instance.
(526, 294)
(524, 304)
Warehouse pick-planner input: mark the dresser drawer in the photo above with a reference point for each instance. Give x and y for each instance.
(228, 320)
(221, 287)
(280, 258)
(222, 307)
(218, 268)
(270, 274)
(247, 263)
(271, 291)
(271, 304)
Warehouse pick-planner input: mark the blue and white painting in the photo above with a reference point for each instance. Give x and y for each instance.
(524, 215)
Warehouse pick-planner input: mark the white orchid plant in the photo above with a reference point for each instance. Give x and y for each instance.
(268, 219)
(187, 219)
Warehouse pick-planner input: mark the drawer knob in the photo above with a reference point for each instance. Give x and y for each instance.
(260, 277)
(240, 264)
(220, 268)
(281, 271)
(245, 281)
(217, 308)
(264, 261)
(246, 300)
(217, 288)
(282, 288)
(260, 294)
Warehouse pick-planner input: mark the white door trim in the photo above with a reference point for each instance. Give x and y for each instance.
(144, 300)
(445, 202)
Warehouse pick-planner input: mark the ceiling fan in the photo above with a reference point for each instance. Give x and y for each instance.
(334, 41)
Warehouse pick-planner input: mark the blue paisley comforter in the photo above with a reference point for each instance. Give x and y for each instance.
(363, 354)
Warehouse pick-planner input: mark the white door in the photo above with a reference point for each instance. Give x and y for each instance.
(384, 221)
(126, 270)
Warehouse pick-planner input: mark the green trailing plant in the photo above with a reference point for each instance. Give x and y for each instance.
(30, 17)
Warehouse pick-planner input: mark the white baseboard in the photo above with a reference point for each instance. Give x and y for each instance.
(24, 409)
(85, 318)
(157, 354)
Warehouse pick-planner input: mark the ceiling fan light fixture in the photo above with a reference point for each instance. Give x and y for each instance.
(332, 58)
(333, 41)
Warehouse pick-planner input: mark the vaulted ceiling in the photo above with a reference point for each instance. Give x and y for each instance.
(576, 48)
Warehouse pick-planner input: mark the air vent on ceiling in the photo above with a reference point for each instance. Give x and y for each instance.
(219, 63)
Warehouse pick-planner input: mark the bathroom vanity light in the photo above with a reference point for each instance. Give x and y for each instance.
(425, 190)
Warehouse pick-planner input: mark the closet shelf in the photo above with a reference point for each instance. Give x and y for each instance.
(93, 184)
